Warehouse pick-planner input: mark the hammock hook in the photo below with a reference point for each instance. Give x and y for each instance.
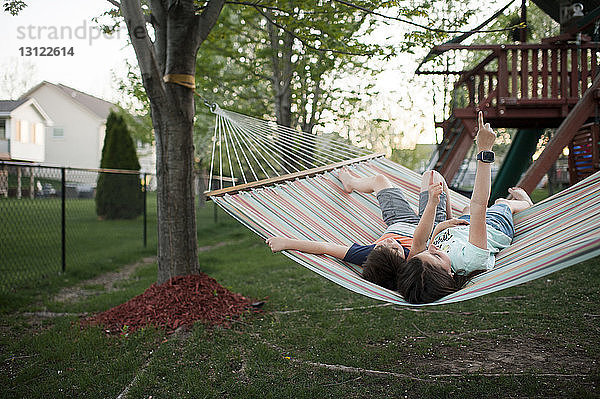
(212, 106)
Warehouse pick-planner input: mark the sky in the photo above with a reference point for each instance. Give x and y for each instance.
(96, 58)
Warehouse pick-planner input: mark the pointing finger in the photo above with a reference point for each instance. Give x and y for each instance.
(480, 119)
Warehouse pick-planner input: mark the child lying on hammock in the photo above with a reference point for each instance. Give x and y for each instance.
(401, 260)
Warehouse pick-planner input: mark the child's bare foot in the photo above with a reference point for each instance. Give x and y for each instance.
(519, 194)
(277, 243)
(346, 178)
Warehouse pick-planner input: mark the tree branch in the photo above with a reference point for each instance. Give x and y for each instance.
(207, 19)
(114, 3)
(304, 42)
(270, 8)
(144, 49)
(406, 21)
(159, 23)
(378, 14)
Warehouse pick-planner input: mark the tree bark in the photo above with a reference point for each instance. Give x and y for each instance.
(178, 33)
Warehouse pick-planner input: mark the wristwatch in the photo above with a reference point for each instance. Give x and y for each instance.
(486, 156)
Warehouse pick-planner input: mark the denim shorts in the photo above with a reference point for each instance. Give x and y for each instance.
(498, 216)
(395, 208)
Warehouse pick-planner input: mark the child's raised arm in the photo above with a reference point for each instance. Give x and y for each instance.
(423, 229)
(481, 190)
(311, 247)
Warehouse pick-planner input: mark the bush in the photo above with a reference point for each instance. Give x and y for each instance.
(118, 196)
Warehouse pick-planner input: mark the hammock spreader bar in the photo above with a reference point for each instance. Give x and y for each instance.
(290, 176)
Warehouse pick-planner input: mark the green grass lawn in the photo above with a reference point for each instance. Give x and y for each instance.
(314, 339)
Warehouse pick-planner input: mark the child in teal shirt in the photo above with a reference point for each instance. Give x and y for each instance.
(455, 254)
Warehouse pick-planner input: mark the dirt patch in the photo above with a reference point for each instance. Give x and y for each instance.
(211, 247)
(507, 356)
(107, 281)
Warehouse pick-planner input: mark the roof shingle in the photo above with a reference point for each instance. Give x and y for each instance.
(96, 105)
(9, 105)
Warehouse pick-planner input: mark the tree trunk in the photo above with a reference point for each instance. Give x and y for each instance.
(282, 73)
(177, 237)
(284, 96)
(178, 33)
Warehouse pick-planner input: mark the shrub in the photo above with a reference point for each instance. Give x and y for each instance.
(118, 196)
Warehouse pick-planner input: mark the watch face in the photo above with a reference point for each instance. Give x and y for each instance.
(486, 156)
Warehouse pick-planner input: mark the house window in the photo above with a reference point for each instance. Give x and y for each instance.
(2, 129)
(58, 133)
(24, 132)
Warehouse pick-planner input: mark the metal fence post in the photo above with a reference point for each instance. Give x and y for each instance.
(4, 180)
(63, 218)
(19, 188)
(144, 188)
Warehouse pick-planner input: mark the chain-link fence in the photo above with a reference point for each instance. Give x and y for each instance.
(49, 222)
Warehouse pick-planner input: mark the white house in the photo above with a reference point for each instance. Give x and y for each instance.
(77, 136)
(23, 126)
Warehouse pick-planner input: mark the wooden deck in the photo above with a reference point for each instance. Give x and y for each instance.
(517, 86)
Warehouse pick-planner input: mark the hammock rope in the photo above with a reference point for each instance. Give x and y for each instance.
(252, 150)
(558, 232)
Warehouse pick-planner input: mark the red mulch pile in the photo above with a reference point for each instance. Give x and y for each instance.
(179, 302)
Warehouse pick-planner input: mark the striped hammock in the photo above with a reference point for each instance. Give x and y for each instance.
(310, 204)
